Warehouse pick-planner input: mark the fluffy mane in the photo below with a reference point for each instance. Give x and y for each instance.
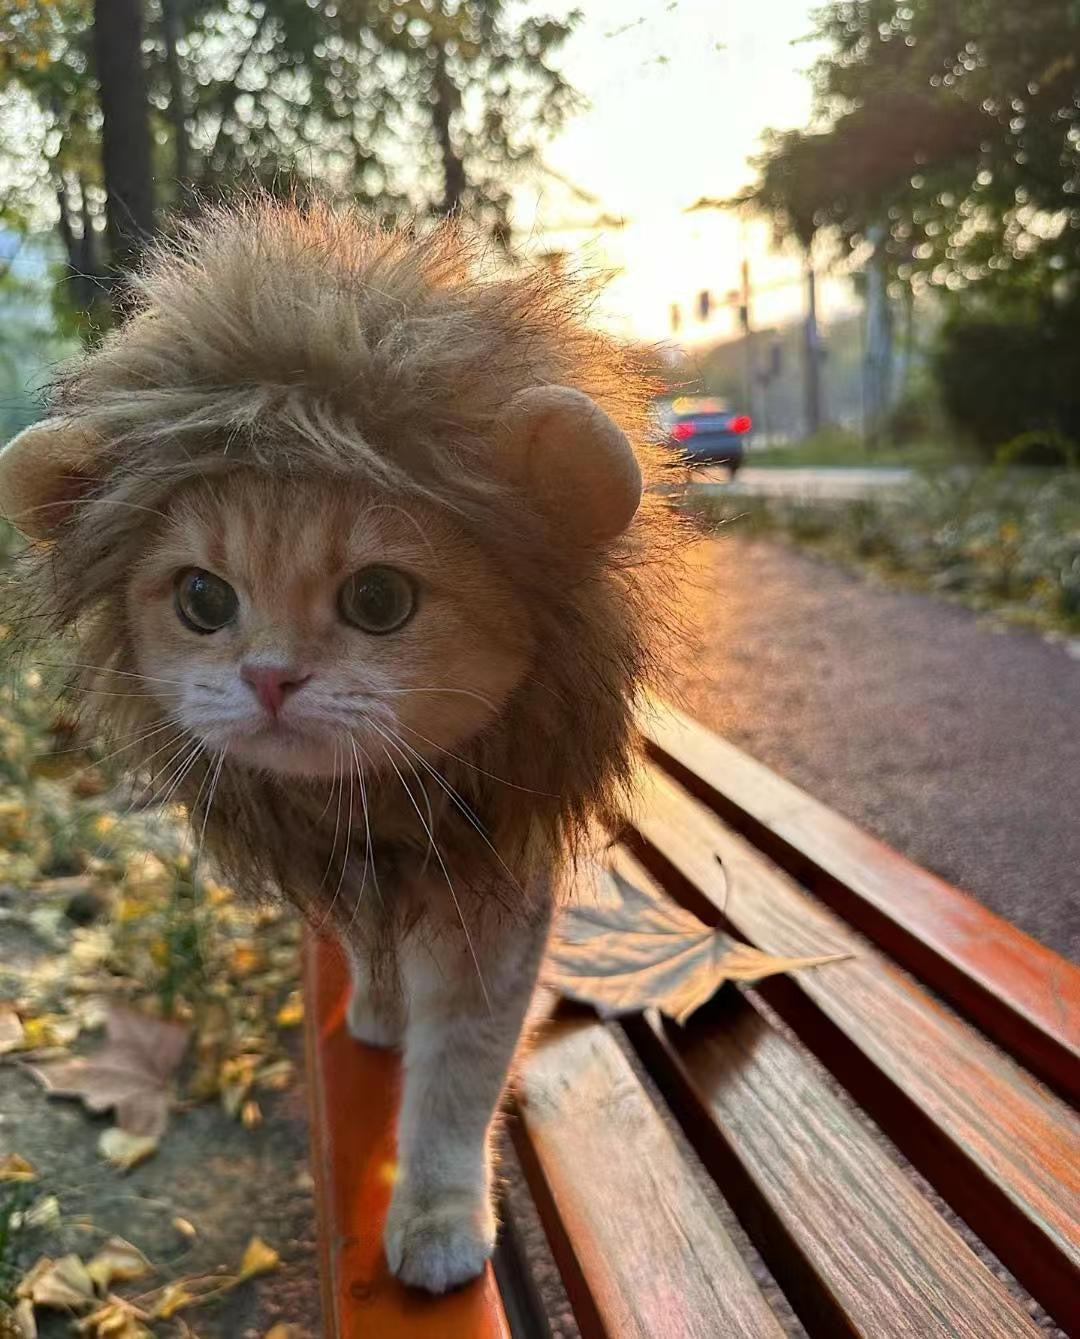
(313, 344)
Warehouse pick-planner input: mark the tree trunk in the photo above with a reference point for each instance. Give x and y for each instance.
(447, 100)
(170, 29)
(125, 132)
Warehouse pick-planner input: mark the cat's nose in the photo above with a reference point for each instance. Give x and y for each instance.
(272, 684)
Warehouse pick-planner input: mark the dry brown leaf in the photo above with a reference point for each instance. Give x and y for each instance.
(16, 1168)
(131, 1072)
(117, 1262)
(63, 1284)
(12, 1035)
(25, 1320)
(627, 948)
(258, 1259)
(124, 1150)
(117, 1319)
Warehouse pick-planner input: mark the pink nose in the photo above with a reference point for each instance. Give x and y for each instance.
(272, 684)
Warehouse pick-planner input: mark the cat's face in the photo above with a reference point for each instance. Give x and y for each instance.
(290, 624)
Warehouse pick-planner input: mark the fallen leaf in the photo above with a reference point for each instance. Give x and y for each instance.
(185, 1228)
(117, 1319)
(61, 1284)
(124, 1150)
(16, 1168)
(173, 1298)
(131, 1072)
(24, 1318)
(628, 948)
(117, 1262)
(284, 1332)
(291, 1013)
(50, 1030)
(43, 1214)
(258, 1259)
(12, 1035)
(251, 1115)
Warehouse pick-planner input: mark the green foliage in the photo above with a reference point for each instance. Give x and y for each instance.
(402, 104)
(956, 124)
(1006, 541)
(1011, 383)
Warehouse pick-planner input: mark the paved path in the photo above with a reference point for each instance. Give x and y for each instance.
(836, 483)
(957, 744)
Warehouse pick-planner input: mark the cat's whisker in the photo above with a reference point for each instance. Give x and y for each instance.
(547, 795)
(386, 735)
(463, 692)
(330, 793)
(339, 777)
(367, 819)
(106, 669)
(206, 812)
(457, 799)
(345, 857)
(449, 882)
(367, 834)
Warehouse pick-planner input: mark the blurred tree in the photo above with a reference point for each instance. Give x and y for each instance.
(125, 129)
(954, 126)
(412, 105)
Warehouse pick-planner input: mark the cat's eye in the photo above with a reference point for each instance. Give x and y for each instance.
(203, 601)
(377, 599)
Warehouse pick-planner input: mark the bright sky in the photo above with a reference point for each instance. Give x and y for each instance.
(679, 94)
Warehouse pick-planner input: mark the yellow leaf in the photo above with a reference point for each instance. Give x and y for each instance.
(117, 1319)
(284, 1332)
(173, 1298)
(43, 1214)
(61, 1284)
(258, 1259)
(291, 1013)
(117, 1262)
(125, 1151)
(185, 1228)
(16, 1168)
(250, 1115)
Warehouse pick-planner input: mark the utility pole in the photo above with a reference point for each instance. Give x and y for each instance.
(814, 409)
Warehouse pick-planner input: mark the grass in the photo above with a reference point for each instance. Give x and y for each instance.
(997, 540)
(839, 447)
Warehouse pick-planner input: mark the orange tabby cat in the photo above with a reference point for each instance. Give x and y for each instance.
(356, 539)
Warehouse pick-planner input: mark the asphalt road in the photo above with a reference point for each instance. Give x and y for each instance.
(956, 743)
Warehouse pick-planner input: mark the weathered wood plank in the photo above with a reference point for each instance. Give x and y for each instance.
(855, 1247)
(353, 1102)
(1020, 993)
(641, 1252)
(1002, 1149)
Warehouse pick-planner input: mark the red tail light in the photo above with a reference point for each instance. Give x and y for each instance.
(740, 423)
(681, 431)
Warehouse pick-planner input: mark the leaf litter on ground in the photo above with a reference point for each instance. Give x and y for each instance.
(624, 946)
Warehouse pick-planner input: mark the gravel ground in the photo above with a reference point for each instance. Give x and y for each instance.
(955, 741)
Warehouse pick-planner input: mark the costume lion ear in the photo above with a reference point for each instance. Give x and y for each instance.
(43, 471)
(563, 449)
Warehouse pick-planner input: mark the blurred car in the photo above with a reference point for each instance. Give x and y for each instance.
(704, 431)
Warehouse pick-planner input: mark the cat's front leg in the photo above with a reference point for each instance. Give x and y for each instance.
(459, 1042)
(375, 1013)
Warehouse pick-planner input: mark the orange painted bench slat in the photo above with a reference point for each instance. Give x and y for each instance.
(353, 1099)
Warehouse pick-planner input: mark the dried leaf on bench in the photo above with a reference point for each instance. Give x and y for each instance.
(131, 1072)
(623, 948)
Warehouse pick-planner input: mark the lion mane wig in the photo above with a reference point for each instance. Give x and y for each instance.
(313, 344)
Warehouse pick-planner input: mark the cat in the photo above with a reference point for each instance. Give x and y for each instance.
(352, 542)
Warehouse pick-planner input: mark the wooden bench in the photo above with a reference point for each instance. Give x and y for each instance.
(955, 1034)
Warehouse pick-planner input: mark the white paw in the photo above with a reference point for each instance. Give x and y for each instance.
(440, 1245)
(372, 1026)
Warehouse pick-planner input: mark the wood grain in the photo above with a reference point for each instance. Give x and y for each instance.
(353, 1103)
(641, 1252)
(1020, 993)
(1002, 1149)
(856, 1248)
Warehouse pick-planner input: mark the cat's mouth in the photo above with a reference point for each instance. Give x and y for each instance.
(290, 747)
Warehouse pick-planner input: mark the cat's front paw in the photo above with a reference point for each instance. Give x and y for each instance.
(440, 1244)
(373, 1026)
